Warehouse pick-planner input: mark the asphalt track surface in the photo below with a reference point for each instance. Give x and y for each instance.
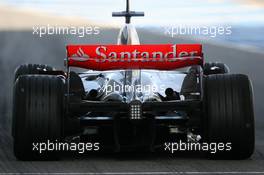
(19, 47)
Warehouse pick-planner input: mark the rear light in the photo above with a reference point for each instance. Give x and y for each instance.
(135, 110)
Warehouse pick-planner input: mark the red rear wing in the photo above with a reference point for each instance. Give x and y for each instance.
(111, 57)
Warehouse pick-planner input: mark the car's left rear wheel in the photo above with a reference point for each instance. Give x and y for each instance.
(37, 115)
(30, 69)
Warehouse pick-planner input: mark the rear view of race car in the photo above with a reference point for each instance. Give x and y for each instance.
(133, 97)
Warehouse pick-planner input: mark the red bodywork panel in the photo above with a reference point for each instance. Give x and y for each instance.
(112, 57)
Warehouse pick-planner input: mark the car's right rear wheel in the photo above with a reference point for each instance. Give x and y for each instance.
(37, 115)
(215, 68)
(229, 115)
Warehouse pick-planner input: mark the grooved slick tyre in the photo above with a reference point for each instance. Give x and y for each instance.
(215, 68)
(37, 114)
(27, 69)
(229, 115)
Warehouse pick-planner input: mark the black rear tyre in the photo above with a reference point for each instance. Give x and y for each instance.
(37, 114)
(27, 69)
(229, 115)
(215, 68)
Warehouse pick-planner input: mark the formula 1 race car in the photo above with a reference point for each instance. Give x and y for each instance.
(132, 97)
